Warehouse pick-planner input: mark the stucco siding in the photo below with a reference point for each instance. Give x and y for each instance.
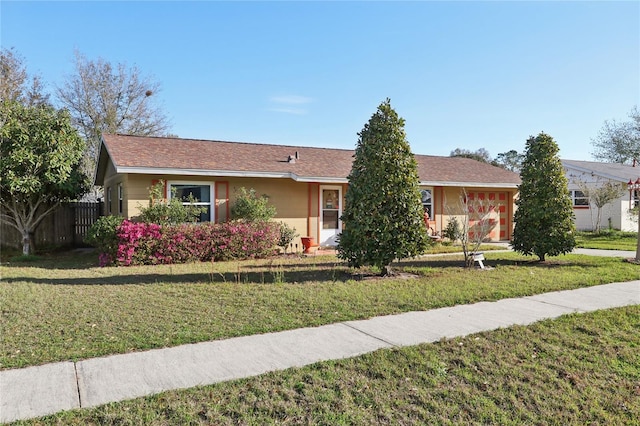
(287, 196)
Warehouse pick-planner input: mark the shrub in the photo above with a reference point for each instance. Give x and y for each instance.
(287, 234)
(452, 230)
(148, 244)
(103, 236)
(251, 207)
(137, 242)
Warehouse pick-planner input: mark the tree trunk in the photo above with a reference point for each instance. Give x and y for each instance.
(26, 242)
(468, 261)
(387, 271)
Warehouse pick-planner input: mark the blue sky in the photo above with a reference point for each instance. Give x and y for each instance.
(462, 74)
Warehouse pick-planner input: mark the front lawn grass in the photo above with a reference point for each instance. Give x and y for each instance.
(576, 370)
(608, 240)
(63, 308)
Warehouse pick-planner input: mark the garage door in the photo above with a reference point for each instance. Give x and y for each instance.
(488, 215)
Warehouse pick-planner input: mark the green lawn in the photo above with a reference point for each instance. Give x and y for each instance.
(608, 240)
(576, 370)
(62, 307)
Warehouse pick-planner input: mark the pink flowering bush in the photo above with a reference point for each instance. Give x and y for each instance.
(148, 243)
(137, 242)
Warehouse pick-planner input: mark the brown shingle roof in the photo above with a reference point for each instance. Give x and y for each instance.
(143, 154)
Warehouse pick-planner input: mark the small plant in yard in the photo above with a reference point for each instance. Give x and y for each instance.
(452, 230)
(287, 234)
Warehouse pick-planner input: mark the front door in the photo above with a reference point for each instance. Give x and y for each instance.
(330, 212)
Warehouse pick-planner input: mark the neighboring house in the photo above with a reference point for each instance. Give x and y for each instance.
(306, 185)
(594, 174)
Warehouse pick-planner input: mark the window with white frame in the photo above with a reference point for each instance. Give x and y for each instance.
(579, 199)
(202, 193)
(427, 201)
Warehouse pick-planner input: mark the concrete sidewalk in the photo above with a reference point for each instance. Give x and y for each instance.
(38, 391)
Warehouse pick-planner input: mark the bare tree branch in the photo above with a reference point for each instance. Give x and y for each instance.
(104, 98)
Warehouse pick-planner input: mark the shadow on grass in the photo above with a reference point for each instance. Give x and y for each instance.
(69, 260)
(294, 273)
(240, 277)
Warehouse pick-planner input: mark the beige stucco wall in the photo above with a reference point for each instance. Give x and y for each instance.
(111, 182)
(296, 203)
(290, 198)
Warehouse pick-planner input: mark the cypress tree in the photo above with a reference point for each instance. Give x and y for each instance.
(544, 221)
(383, 215)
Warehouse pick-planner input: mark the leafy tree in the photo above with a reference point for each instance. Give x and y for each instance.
(251, 207)
(544, 222)
(510, 160)
(479, 155)
(111, 99)
(383, 215)
(15, 84)
(619, 142)
(40, 154)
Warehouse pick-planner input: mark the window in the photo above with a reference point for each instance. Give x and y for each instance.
(120, 199)
(427, 203)
(201, 192)
(109, 199)
(580, 200)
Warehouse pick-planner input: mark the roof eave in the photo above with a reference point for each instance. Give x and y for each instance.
(290, 175)
(228, 173)
(102, 163)
(471, 184)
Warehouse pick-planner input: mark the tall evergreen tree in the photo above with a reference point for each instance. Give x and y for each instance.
(383, 215)
(544, 222)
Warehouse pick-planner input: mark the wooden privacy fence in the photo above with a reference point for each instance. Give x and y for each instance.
(66, 226)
